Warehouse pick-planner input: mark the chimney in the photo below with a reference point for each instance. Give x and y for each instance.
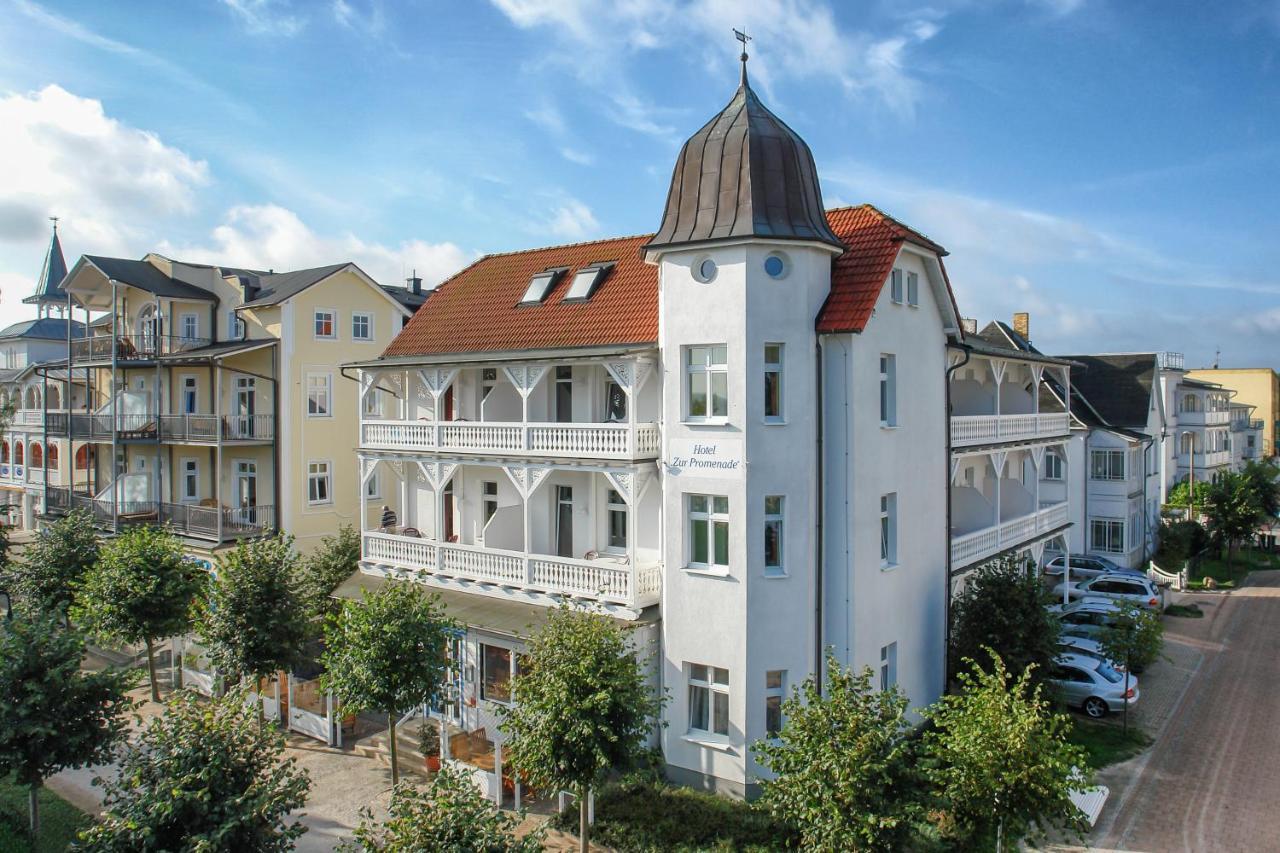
(969, 325)
(415, 283)
(1022, 325)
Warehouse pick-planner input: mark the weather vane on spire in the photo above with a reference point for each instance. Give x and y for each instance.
(742, 36)
(54, 220)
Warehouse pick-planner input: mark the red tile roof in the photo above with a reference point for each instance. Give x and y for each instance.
(478, 309)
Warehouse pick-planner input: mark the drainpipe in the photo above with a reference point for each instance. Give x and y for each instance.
(946, 607)
(1148, 540)
(818, 516)
(115, 403)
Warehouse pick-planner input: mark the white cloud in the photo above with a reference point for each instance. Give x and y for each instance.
(60, 154)
(370, 21)
(548, 118)
(1058, 7)
(266, 17)
(571, 220)
(573, 155)
(272, 237)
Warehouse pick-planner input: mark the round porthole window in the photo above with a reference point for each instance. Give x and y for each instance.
(704, 269)
(775, 266)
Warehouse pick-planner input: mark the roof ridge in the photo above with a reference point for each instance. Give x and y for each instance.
(561, 246)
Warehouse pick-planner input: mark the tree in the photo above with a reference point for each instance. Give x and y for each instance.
(450, 815)
(1002, 608)
(141, 590)
(998, 757)
(387, 651)
(842, 764)
(1134, 638)
(202, 777)
(582, 705)
(331, 563)
(53, 565)
(1232, 510)
(52, 715)
(1263, 479)
(253, 620)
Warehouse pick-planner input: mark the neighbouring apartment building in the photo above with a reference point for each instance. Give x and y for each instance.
(1258, 387)
(731, 435)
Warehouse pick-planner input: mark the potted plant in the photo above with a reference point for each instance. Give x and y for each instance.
(429, 738)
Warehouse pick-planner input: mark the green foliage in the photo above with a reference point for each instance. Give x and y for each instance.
(54, 563)
(448, 816)
(335, 560)
(643, 814)
(1179, 542)
(253, 621)
(1134, 638)
(202, 777)
(141, 588)
(1180, 495)
(1232, 509)
(1105, 744)
(60, 821)
(999, 760)
(386, 651)
(52, 715)
(1002, 608)
(583, 705)
(842, 764)
(1262, 478)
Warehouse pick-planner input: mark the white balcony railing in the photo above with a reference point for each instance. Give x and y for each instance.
(1203, 418)
(27, 417)
(1212, 459)
(605, 581)
(980, 544)
(575, 440)
(969, 430)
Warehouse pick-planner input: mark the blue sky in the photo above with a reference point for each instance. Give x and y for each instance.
(1109, 166)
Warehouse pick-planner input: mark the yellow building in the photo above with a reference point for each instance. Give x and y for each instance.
(214, 399)
(1254, 386)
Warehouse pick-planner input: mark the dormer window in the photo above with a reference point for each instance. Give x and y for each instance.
(587, 280)
(540, 285)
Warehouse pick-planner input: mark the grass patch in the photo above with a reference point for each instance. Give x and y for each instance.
(642, 815)
(1188, 611)
(59, 820)
(1246, 560)
(1108, 744)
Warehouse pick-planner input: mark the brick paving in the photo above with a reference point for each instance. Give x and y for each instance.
(1211, 780)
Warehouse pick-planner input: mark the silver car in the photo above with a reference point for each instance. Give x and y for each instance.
(1121, 586)
(1082, 566)
(1094, 686)
(1087, 617)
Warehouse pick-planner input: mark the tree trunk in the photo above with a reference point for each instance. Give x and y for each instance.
(395, 756)
(151, 671)
(1128, 667)
(33, 810)
(584, 828)
(177, 661)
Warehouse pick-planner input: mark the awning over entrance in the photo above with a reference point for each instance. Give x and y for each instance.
(476, 611)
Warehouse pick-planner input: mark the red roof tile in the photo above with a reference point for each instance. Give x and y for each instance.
(478, 309)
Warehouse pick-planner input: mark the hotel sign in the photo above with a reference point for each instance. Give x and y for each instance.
(711, 456)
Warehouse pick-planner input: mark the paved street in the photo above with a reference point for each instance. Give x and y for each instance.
(1211, 781)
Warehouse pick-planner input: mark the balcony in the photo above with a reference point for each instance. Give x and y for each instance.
(130, 348)
(211, 428)
(1203, 418)
(573, 440)
(104, 426)
(978, 545)
(27, 418)
(1204, 461)
(969, 430)
(218, 523)
(608, 581)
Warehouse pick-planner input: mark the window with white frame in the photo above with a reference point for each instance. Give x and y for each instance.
(488, 501)
(1052, 465)
(373, 488)
(488, 381)
(319, 395)
(775, 688)
(497, 666)
(889, 666)
(707, 382)
(888, 530)
(235, 326)
(708, 699)
(895, 285)
(773, 530)
(708, 530)
(1106, 535)
(189, 326)
(326, 324)
(888, 390)
(319, 483)
(373, 403)
(189, 401)
(1106, 464)
(1135, 528)
(1188, 442)
(773, 382)
(617, 514)
(913, 289)
(190, 480)
(361, 326)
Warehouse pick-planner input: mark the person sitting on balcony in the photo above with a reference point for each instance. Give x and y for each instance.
(388, 518)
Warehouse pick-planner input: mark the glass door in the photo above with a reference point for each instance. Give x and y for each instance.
(246, 387)
(564, 521)
(246, 492)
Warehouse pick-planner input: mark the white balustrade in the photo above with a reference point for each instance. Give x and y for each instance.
(988, 429)
(573, 440)
(603, 580)
(980, 544)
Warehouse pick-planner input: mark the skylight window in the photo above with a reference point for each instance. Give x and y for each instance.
(540, 286)
(586, 280)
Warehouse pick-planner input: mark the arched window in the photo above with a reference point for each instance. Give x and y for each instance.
(33, 398)
(82, 458)
(1188, 442)
(17, 452)
(4, 453)
(37, 455)
(55, 397)
(53, 456)
(1190, 403)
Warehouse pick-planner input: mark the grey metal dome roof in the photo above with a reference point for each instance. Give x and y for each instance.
(744, 174)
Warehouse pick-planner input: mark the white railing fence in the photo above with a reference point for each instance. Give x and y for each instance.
(578, 440)
(1176, 580)
(979, 429)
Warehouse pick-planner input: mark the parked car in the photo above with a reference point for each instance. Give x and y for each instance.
(1086, 617)
(1089, 647)
(1092, 685)
(1122, 586)
(1083, 566)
